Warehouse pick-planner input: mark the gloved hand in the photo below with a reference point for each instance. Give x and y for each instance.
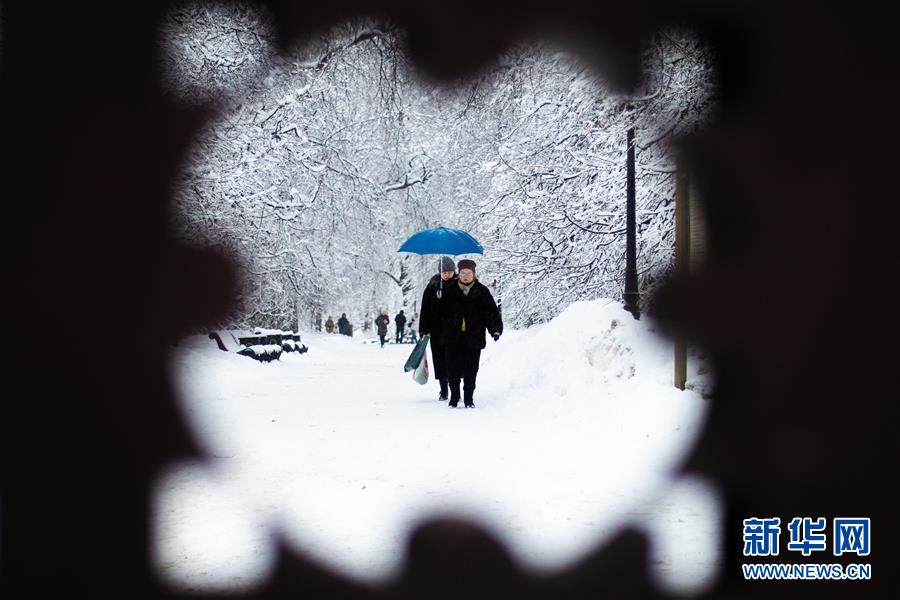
(496, 336)
(423, 333)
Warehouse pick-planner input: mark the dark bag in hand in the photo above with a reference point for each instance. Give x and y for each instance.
(415, 357)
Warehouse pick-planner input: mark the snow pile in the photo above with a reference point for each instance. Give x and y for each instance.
(589, 346)
(602, 372)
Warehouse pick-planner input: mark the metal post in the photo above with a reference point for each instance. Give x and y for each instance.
(682, 261)
(631, 282)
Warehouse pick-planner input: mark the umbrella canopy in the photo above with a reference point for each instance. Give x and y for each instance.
(441, 240)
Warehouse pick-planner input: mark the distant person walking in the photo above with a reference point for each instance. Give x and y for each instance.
(413, 325)
(343, 325)
(470, 311)
(432, 317)
(329, 325)
(400, 322)
(382, 323)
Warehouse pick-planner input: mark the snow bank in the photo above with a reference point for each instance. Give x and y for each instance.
(589, 346)
(577, 430)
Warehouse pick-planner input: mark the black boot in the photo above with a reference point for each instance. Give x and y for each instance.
(454, 393)
(444, 389)
(469, 383)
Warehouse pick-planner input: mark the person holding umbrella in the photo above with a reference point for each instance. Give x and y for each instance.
(470, 310)
(432, 317)
(434, 320)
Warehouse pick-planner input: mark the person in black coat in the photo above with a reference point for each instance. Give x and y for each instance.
(344, 324)
(400, 322)
(470, 311)
(432, 316)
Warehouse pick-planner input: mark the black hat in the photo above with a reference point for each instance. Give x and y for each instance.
(466, 264)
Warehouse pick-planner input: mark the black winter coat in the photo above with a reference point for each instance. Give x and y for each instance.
(433, 311)
(400, 320)
(479, 312)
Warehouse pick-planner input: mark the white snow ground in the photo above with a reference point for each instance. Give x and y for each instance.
(576, 430)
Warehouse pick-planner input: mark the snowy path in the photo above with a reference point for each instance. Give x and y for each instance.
(343, 452)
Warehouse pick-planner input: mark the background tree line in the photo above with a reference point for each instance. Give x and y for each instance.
(323, 161)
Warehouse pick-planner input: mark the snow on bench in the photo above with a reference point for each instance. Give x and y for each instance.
(264, 345)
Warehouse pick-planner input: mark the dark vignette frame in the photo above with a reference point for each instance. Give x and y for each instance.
(793, 303)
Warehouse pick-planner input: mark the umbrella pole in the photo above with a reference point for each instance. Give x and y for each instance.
(440, 280)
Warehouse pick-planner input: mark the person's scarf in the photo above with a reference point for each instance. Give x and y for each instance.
(465, 290)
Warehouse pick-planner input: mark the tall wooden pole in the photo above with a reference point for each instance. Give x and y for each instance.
(632, 296)
(682, 261)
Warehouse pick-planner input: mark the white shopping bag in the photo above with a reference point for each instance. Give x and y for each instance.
(420, 375)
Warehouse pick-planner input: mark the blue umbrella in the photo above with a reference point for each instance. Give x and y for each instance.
(441, 240)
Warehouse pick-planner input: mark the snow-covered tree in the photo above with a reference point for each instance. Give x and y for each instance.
(554, 213)
(320, 168)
